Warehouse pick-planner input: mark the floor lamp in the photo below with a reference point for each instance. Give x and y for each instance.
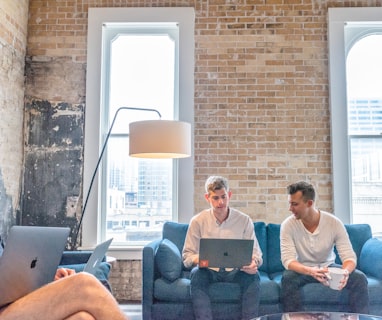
(156, 139)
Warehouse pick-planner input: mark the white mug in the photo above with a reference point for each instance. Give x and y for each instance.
(335, 275)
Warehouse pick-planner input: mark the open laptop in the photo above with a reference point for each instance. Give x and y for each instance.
(30, 259)
(225, 253)
(97, 256)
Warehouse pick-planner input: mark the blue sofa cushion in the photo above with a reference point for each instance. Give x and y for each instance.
(375, 290)
(273, 246)
(176, 291)
(261, 236)
(176, 233)
(168, 260)
(269, 290)
(370, 261)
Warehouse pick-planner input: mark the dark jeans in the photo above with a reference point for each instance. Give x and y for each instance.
(292, 282)
(201, 280)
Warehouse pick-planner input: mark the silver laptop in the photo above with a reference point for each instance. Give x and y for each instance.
(97, 256)
(30, 260)
(225, 253)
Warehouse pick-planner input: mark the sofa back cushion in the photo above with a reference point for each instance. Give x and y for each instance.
(176, 233)
(261, 236)
(370, 261)
(273, 244)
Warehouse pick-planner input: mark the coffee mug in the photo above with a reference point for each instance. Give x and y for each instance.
(335, 275)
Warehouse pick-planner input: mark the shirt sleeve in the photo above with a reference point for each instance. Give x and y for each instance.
(287, 246)
(257, 254)
(343, 244)
(191, 244)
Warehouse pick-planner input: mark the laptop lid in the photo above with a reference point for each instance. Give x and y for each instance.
(225, 253)
(30, 259)
(97, 256)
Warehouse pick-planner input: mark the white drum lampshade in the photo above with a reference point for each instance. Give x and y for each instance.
(160, 139)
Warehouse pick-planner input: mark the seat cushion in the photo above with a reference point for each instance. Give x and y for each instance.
(168, 260)
(175, 291)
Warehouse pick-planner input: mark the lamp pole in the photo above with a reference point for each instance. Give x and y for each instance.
(75, 237)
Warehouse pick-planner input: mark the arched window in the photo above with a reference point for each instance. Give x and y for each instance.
(355, 47)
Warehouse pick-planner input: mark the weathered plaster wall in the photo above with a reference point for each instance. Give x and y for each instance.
(54, 118)
(13, 35)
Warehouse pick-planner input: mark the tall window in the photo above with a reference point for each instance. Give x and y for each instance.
(141, 58)
(140, 70)
(355, 46)
(364, 107)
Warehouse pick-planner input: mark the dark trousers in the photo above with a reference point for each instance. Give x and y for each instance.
(292, 282)
(201, 280)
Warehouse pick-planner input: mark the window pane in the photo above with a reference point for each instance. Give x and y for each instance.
(364, 79)
(366, 158)
(139, 194)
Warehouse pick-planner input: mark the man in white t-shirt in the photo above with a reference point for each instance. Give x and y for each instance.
(307, 240)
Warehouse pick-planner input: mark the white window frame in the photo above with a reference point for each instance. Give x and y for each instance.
(185, 17)
(338, 17)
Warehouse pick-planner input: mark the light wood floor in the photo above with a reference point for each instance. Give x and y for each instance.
(133, 311)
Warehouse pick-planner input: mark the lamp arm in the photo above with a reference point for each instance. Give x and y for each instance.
(74, 241)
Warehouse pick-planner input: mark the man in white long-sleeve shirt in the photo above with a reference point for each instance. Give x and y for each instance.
(221, 221)
(307, 240)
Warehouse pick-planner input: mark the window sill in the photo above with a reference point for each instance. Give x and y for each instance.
(123, 252)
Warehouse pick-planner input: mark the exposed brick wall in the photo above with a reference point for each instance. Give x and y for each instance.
(13, 35)
(261, 93)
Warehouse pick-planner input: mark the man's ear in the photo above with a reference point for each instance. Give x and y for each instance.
(310, 203)
(207, 196)
(229, 194)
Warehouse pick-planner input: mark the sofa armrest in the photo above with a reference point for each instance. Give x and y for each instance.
(370, 261)
(148, 276)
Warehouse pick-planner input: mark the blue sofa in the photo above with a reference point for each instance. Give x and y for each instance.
(76, 260)
(166, 283)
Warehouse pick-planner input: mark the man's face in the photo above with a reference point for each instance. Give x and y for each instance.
(219, 199)
(297, 205)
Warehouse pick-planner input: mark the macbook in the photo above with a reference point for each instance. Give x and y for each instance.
(30, 259)
(225, 253)
(97, 256)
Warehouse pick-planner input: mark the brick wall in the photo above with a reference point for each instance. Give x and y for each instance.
(13, 33)
(261, 95)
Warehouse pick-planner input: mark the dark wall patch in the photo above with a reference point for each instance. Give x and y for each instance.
(53, 165)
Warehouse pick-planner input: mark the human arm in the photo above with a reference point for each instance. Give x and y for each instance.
(293, 246)
(257, 255)
(345, 248)
(190, 253)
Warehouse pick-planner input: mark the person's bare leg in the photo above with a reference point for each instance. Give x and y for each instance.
(81, 316)
(79, 294)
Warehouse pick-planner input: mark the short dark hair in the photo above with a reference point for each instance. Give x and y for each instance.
(214, 183)
(307, 190)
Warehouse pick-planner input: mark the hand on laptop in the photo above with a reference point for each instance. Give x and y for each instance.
(251, 269)
(63, 272)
